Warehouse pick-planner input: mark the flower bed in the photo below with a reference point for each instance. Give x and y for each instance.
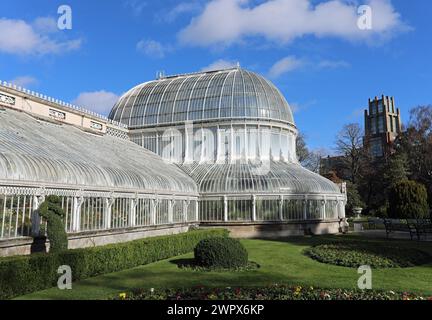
(275, 292)
(377, 256)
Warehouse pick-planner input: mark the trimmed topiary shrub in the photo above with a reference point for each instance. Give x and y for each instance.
(408, 200)
(52, 211)
(25, 274)
(221, 253)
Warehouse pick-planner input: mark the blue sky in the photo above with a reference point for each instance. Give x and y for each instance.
(313, 51)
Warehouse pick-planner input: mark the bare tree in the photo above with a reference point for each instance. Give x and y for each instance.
(349, 144)
(421, 119)
(313, 161)
(309, 159)
(302, 150)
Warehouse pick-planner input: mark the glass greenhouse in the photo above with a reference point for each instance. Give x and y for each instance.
(209, 148)
(105, 183)
(233, 132)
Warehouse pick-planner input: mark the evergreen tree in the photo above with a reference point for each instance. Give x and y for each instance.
(354, 199)
(408, 200)
(396, 169)
(416, 142)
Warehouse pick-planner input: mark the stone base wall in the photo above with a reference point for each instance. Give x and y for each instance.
(280, 229)
(26, 246)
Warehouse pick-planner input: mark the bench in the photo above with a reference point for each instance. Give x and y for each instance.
(423, 227)
(392, 225)
(373, 223)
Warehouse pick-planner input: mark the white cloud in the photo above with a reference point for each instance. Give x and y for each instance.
(333, 64)
(220, 65)
(152, 48)
(24, 81)
(45, 25)
(180, 9)
(137, 6)
(285, 65)
(228, 21)
(19, 37)
(97, 101)
(298, 107)
(295, 107)
(292, 63)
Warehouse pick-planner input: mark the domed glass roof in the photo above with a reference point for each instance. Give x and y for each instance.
(224, 94)
(241, 178)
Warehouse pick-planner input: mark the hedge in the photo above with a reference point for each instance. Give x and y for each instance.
(26, 274)
(220, 252)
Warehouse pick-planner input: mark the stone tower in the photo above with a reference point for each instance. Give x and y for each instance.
(382, 125)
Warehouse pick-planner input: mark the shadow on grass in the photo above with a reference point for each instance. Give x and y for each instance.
(184, 263)
(108, 286)
(348, 238)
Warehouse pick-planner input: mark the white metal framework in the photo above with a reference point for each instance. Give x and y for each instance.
(89, 211)
(221, 148)
(233, 132)
(105, 183)
(42, 153)
(222, 94)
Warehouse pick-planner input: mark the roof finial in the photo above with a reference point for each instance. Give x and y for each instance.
(238, 64)
(160, 75)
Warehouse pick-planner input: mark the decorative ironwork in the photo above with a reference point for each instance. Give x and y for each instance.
(7, 99)
(57, 114)
(96, 125)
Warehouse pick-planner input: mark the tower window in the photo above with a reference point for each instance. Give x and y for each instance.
(380, 106)
(376, 148)
(381, 124)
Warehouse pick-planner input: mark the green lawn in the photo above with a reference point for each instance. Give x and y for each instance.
(282, 261)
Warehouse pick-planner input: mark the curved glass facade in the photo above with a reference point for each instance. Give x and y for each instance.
(233, 132)
(213, 147)
(220, 143)
(274, 177)
(224, 94)
(104, 182)
(51, 154)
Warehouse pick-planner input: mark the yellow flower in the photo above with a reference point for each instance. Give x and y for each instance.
(297, 290)
(122, 295)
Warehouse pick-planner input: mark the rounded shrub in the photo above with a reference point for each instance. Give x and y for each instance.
(52, 211)
(408, 200)
(220, 252)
